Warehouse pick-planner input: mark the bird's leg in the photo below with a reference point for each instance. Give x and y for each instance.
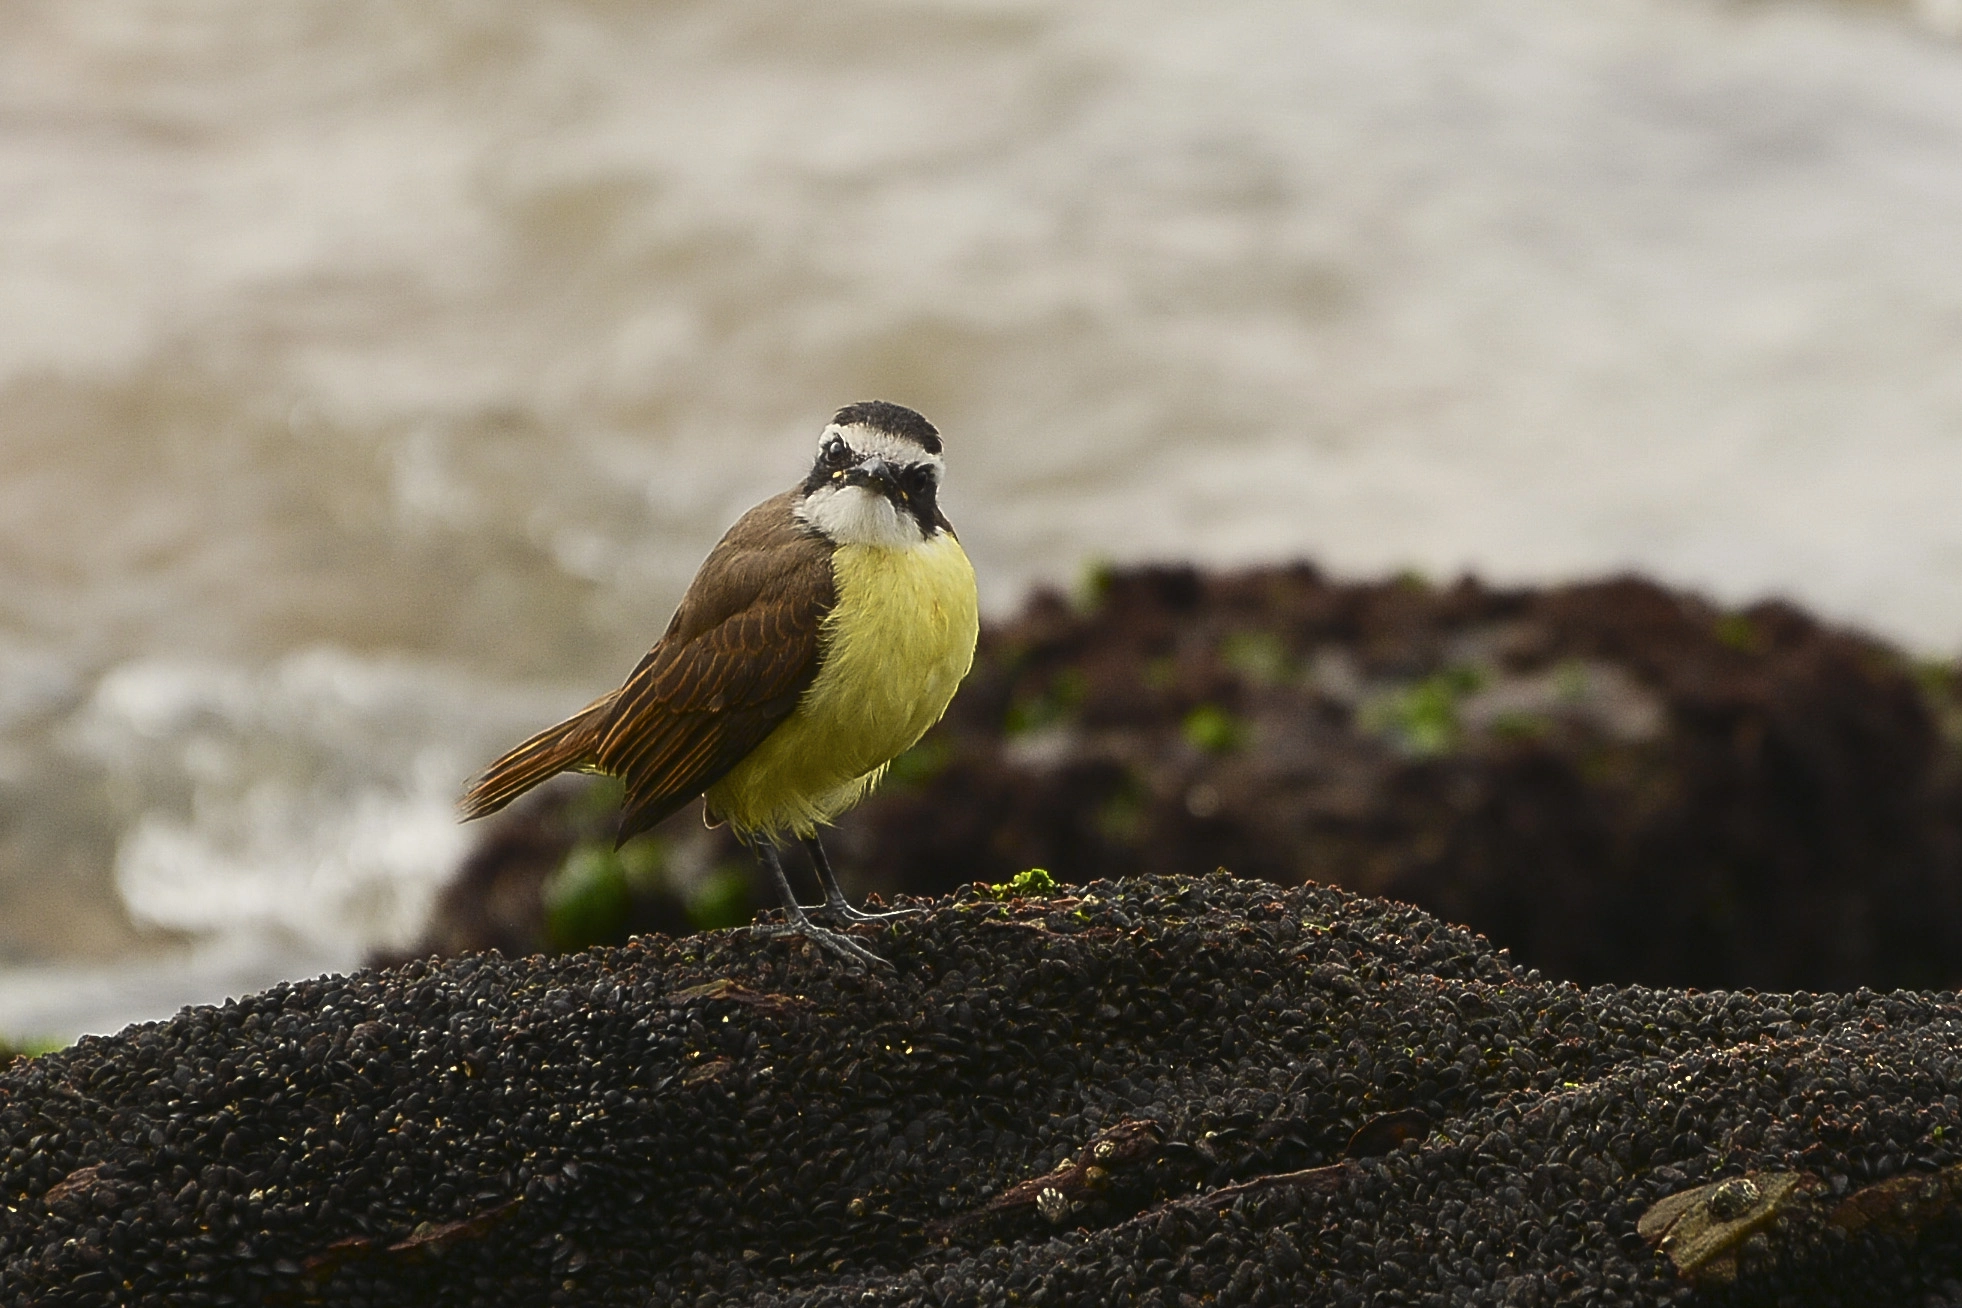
(835, 902)
(796, 924)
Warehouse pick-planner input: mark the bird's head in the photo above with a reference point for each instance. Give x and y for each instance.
(876, 479)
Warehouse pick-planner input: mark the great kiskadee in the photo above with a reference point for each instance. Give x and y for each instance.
(823, 635)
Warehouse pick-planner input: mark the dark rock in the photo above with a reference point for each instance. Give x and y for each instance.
(1298, 1096)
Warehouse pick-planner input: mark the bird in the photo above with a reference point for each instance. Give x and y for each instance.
(820, 639)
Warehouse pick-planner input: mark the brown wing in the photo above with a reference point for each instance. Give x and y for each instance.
(741, 649)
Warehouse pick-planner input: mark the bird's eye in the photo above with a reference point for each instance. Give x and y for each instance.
(835, 453)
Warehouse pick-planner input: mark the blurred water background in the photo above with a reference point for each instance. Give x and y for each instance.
(373, 376)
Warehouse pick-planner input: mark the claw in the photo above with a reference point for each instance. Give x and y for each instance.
(825, 938)
(843, 909)
(835, 904)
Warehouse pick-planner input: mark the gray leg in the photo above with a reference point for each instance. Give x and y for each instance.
(796, 923)
(835, 902)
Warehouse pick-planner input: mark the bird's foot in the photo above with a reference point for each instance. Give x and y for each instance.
(842, 909)
(826, 939)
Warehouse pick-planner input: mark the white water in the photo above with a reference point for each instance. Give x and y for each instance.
(372, 376)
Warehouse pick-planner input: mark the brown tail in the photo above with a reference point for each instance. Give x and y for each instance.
(566, 747)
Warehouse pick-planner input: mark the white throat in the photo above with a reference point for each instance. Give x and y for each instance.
(859, 515)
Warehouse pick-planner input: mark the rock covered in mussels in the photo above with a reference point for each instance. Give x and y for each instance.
(1158, 1091)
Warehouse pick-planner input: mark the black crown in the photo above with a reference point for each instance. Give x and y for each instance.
(892, 419)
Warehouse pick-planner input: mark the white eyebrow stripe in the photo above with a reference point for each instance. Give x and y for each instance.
(893, 449)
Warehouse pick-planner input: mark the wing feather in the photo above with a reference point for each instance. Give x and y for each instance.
(740, 652)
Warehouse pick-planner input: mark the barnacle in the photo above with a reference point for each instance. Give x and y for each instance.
(1700, 1230)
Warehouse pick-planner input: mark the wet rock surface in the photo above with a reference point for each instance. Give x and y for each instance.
(1159, 1091)
(1615, 781)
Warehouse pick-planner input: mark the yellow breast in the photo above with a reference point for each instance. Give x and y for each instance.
(893, 649)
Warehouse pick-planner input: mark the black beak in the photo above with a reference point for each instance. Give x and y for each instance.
(876, 473)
